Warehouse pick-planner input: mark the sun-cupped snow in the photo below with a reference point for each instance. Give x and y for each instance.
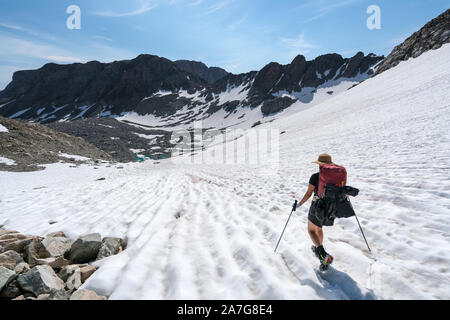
(209, 231)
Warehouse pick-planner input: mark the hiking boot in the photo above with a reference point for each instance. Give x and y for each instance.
(322, 255)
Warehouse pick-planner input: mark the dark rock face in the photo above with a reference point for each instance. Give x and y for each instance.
(211, 74)
(277, 105)
(432, 36)
(120, 84)
(301, 74)
(160, 87)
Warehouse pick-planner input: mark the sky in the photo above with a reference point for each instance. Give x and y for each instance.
(237, 35)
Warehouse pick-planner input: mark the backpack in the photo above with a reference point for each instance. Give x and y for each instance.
(332, 192)
(331, 174)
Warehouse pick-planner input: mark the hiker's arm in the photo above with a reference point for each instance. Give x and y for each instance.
(308, 194)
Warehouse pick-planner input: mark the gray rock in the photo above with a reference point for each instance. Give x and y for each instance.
(57, 246)
(74, 280)
(58, 234)
(110, 247)
(86, 272)
(22, 268)
(54, 262)
(17, 246)
(84, 294)
(57, 295)
(69, 270)
(10, 259)
(86, 248)
(40, 280)
(34, 251)
(6, 276)
(11, 291)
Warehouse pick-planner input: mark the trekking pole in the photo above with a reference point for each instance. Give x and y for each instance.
(362, 233)
(294, 208)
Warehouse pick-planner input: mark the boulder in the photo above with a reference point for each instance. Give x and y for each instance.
(3, 232)
(34, 251)
(84, 294)
(17, 245)
(85, 249)
(74, 280)
(40, 280)
(57, 295)
(6, 276)
(54, 262)
(110, 247)
(11, 291)
(20, 298)
(86, 272)
(58, 234)
(69, 270)
(57, 246)
(11, 237)
(22, 268)
(10, 259)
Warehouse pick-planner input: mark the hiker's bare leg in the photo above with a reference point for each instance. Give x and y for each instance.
(315, 233)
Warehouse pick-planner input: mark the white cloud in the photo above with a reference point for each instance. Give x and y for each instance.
(64, 59)
(196, 3)
(217, 6)
(103, 38)
(298, 43)
(10, 26)
(145, 6)
(236, 24)
(325, 7)
(16, 47)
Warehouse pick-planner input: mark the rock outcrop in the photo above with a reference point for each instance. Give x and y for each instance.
(211, 74)
(432, 36)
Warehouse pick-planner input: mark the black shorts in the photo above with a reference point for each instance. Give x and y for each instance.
(318, 223)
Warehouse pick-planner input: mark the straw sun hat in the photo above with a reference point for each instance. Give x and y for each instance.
(324, 159)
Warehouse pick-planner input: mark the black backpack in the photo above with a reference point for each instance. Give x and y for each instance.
(335, 204)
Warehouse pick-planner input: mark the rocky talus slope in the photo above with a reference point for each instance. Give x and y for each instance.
(29, 145)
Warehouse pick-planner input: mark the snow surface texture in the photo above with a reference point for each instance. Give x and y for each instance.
(7, 161)
(209, 232)
(3, 129)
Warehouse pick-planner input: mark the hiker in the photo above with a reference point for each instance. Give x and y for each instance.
(314, 224)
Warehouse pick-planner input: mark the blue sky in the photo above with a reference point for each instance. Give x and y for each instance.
(238, 35)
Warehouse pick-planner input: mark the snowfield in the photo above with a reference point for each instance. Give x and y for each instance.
(209, 232)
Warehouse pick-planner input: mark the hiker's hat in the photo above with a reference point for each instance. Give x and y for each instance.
(324, 159)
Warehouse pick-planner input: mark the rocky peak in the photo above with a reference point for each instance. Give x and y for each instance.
(210, 74)
(432, 36)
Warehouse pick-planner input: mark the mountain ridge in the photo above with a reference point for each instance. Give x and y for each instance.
(69, 92)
